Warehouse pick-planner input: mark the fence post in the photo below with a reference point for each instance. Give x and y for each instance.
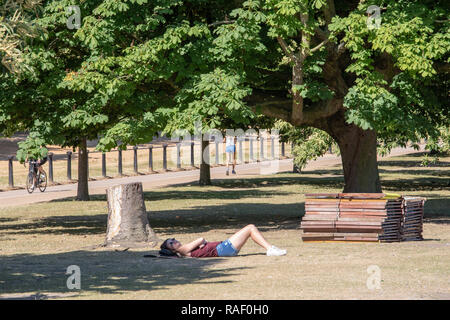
(87, 164)
(251, 149)
(272, 144)
(261, 148)
(10, 169)
(69, 165)
(164, 157)
(192, 154)
(119, 161)
(241, 152)
(295, 169)
(217, 152)
(150, 158)
(135, 161)
(178, 155)
(50, 167)
(282, 149)
(103, 165)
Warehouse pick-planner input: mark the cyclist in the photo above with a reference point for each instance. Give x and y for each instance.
(38, 167)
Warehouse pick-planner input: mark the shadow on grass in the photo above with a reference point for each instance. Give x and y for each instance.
(193, 220)
(105, 272)
(283, 180)
(231, 217)
(161, 194)
(74, 225)
(437, 208)
(200, 219)
(414, 163)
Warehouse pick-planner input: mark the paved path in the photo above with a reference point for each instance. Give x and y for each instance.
(21, 197)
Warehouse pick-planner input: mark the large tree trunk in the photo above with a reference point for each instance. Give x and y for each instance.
(128, 224)
(83, 190)
(359, 161)
(358, 152)
(205, 172)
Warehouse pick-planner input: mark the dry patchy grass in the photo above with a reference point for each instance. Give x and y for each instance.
(38, 243)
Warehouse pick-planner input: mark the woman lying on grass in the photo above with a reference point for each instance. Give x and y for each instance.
(201, 248)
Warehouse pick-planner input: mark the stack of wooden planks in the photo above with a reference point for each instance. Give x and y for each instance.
(412, 225)
(354, 217)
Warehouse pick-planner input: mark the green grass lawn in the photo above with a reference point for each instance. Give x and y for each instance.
(38, 242)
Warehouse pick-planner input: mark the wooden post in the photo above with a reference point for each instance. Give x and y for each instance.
(103, 165)
(272, 145)
(178, 156)
(83, 171)
(10, 171)
(128, 224)
(295, 169)
(217, 152)
(164, 157)
(252, 158)
(150, 158)
(87, 164)
(192, 154)
(135, 161)
(50, 167)
(119, 162)
(261, 148)
(241, 151)
(69, 165)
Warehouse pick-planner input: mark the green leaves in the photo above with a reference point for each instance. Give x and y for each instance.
(32, 148)
(309, 143)
(408, 33)
(313, 90)
(215, 93)
(137, 65)
(318, 4)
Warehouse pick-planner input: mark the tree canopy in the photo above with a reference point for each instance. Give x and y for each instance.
(135, 67)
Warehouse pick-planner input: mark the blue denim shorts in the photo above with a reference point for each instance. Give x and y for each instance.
(230, 149)
(226, 249)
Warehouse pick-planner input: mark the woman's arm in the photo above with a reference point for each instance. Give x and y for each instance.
(186, 249)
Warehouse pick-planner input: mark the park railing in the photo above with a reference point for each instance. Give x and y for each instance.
(62, 166)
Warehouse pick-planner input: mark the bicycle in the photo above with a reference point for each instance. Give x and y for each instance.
(36, 180)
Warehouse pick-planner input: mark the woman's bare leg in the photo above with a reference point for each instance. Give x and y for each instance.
(250, 231)
(228, 161)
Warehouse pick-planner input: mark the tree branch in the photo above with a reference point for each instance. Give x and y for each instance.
(341, 49)
(274, 109)
(218, 23)
(286, 49)
(320, 45)
(329, 11)
(321, 109)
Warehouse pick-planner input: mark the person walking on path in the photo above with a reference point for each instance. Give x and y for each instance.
(230, 150)
(201, 248)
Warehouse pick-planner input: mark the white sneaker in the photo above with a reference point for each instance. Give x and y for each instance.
(274, 251)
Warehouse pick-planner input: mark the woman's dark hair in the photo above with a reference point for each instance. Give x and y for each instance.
(165, 251)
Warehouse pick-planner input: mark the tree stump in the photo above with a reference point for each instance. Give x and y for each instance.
(128, 224)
